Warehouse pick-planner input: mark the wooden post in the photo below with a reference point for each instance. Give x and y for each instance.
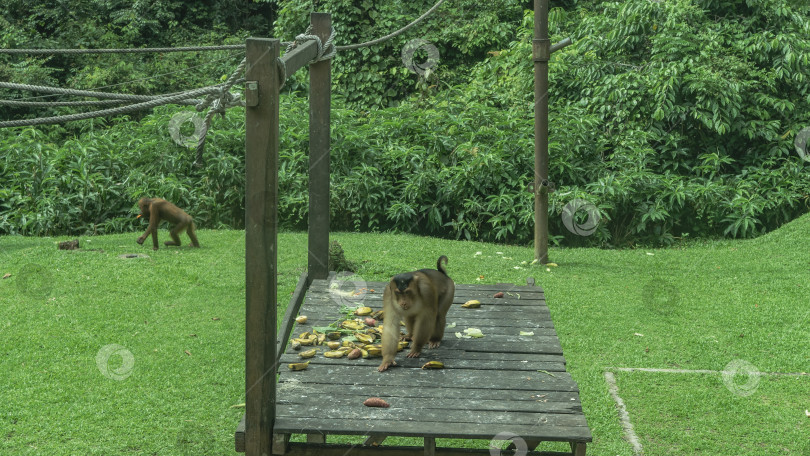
(541, 53)
(320, 87)
(261, 190)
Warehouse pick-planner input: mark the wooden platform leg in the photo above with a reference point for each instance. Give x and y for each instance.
(375, 439)
(280, 442)
(577, 449)
(316, 438)
(430, 446)
(531, 445)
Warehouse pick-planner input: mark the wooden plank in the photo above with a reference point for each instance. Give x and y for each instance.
(303, 449)
(440, 429)
(400, 418)
(294, 389)
(462, 295)
(320, 87)
(289, 316)
(335, 403)
(261, 187)
(319, 318)
(453, 362)
(338, 375)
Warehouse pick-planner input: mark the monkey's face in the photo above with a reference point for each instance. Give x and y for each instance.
(143, 205)
(403, 286)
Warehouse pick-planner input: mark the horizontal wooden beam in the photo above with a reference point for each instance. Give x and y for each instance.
(309, 449)
(300, 57)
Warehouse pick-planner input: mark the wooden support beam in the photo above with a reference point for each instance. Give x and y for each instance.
(289, 315)
(577, 449)
(281, 442)
(375, 439)
(430, 446)
(316, 438)
(261, 190)
(320, 102)
(541, 54)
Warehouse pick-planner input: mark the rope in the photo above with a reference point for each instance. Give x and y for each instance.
(120, 51)
(392, 35)
(219, 102)
(47, 104)
(112, 111)
(83, 93)
(325, 51)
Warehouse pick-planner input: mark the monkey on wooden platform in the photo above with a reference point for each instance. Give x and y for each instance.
(421, 299)
(157, 209)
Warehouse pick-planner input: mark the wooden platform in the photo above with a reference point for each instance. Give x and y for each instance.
(501, 383)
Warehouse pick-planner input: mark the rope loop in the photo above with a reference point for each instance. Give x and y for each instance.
(325, 51)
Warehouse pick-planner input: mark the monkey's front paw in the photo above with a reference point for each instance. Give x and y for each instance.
(414, 354)
(434, 343)
(139, 241)
(385, 365)
(154, 248)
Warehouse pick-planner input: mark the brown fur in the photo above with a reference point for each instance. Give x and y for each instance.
(157, 209)
(421, 299)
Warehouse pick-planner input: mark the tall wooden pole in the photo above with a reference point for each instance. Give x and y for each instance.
(320, 89)
(261, 221)
(541, 53)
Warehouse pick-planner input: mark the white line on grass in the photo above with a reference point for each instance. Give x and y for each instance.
(624, 417)
(695, 371)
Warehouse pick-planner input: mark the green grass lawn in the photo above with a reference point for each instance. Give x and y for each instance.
(110, 356)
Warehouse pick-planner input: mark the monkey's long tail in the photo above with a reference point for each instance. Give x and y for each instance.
(439, 265)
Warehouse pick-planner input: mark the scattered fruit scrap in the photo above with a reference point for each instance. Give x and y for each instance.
(376, 402)
(472, 304)
(301, 319)
(363, 311)
(498, 295)
(470, 333)
(298, 366)
(433, 365)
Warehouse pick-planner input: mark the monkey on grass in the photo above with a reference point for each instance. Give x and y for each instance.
(157, 209)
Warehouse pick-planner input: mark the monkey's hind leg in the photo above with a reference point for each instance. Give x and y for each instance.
(438, 331)
(191, 231)
(422, 329)
(175, 234)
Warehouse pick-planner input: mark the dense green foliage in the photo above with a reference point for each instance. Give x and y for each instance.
(462, 31)
(123, 24)
(672, 119)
